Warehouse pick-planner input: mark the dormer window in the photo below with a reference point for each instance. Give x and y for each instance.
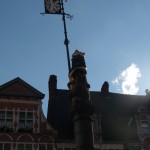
(145, 126)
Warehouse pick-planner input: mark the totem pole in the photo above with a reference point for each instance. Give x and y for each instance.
(81, 105)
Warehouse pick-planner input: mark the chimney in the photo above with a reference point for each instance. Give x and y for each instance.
(105, 89)
(52, 85)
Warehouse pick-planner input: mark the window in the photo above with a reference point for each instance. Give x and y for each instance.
(25, 121)
(2, 119)
(45, 147)
(49, 146)
(6, 120)
(2, 114)
(29, 115)
(146, 148)
(96, 124)
(42, 147)
(5, 146)
(145, 127)
(20, 146)
(134, 147)
(69, 148)
(1, 146)
(28, 147)
(24, 147)
(9, 119)
(22, 120)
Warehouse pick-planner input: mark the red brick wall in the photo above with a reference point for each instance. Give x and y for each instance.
(22, 106)
(4, 137)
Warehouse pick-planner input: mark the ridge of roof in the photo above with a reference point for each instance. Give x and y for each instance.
(111, 93)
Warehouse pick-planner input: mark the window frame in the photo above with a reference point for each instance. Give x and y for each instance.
(145, 126)
(46, 146)
(6, 119)
(24, 146)
(25, 123)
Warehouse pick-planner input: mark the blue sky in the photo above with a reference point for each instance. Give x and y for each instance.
(114, 34)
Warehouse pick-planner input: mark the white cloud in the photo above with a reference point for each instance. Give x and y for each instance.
(129, 79)
(115, 81)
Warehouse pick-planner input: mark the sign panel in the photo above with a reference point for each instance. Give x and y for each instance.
(52, 6)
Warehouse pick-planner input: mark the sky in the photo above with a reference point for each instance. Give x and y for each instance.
(114, 34)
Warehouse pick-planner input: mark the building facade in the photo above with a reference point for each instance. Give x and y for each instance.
(118, 121)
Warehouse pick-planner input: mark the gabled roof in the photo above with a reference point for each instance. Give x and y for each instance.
(18, 87)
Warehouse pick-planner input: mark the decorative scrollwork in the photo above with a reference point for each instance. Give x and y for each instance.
(69, 16)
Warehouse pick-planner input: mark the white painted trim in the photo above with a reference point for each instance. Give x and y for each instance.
(21, 101)
(46, 136)
(25, 135)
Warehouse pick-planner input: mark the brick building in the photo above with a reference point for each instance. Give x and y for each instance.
(22, 123)
(119, 121)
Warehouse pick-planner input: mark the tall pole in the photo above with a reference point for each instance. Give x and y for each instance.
(66, 42)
